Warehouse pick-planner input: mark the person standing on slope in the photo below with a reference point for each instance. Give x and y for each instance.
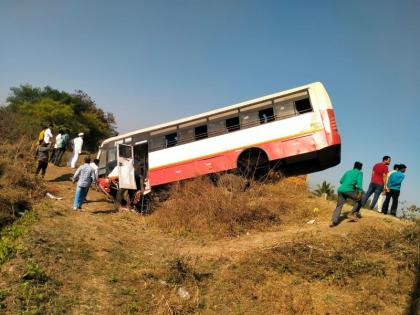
(41, 155)
(48, 134)
(393, 190)
(383, 194)
(77, 149)
(351, 187)
(61, 147)
(85, 175)
(377, 183)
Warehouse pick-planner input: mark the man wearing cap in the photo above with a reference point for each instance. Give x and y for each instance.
(77, 149)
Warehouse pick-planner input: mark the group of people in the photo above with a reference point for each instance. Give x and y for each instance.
(384, 186)
(49, 151)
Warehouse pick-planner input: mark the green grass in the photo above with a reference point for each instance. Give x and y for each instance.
(10, 235)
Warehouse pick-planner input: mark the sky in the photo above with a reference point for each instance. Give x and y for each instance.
(150, 62)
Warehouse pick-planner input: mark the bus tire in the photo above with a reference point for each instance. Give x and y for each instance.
(253, 163)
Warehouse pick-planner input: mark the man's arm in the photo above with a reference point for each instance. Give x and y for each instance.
(76, 175)
(360, 182)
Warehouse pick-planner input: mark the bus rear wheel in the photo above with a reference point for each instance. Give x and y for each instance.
(253, 163)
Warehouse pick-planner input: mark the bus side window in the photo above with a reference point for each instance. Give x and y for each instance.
(303, 106)
(171, 139)
(266, 115)
(200, 132)
(232, 124)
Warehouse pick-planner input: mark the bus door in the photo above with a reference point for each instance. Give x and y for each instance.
(141, 163)
(125, 159)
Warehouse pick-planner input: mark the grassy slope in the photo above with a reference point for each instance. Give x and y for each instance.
(102, 261)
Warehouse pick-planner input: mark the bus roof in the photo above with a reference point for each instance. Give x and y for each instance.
(213, 112)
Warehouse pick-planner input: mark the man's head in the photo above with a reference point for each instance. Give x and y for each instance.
(61, 131)
(386, 159)
(402, 168)
(87, 159)
(358, 165)
(396, 167)
(80, 134)
(96, 161)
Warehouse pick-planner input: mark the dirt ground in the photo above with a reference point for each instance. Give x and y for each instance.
(101, 261)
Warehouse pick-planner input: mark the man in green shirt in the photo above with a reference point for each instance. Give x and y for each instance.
(351, 187)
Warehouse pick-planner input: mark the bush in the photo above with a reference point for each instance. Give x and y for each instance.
(202, 208)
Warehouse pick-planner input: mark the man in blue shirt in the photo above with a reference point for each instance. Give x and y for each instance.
(85, 175)
(393, 187)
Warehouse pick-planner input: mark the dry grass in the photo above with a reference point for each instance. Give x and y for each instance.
(19, 188)
(200, 207)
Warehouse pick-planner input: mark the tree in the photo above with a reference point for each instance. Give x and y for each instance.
(76, 112)
(324, 188)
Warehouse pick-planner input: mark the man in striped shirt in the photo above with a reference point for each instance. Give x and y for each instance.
(85, 175)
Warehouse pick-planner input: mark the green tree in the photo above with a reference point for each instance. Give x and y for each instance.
(324, 188)
(76, 112)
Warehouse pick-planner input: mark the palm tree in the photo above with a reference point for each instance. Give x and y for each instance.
(325, 189)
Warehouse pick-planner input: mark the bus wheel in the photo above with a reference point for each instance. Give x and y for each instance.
(253, 163)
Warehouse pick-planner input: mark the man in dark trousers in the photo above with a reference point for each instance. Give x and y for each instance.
(42, 154)
(393, 187)
(376, 186)
(351, 187)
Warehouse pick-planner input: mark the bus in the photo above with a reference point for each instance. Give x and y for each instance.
(292, 130)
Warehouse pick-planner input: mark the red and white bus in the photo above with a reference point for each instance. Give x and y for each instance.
(291, 128)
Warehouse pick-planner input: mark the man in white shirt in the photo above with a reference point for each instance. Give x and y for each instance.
(77, 149)
(57, 145)
(48, 135)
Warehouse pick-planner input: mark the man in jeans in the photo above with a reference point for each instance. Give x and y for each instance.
(376, 186)
(85, 175)
(393, 188)
(351, 187)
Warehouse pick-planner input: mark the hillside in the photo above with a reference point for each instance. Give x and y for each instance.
(268, 261)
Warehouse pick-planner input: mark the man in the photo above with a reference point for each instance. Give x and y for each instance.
(94, 165)
(393, 187)
(376, 186)
(77, 149)
(48, 135)
(383, 194)
(85, 175)
(41, 154)
(351, 187)
(62, 147)
(57, 145)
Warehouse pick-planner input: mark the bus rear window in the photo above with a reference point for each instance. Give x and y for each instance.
(303, 106)
(102, 159)
(112, 155)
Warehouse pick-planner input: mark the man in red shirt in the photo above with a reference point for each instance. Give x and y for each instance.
(376, 186)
